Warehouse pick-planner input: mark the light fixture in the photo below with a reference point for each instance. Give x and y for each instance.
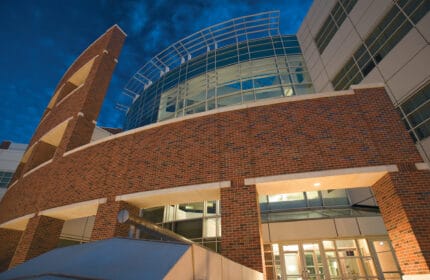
(317, 184)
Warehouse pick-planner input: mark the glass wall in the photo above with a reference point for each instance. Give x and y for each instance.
(311, 205)
(239, 73)
(335, 259)
(197, 221)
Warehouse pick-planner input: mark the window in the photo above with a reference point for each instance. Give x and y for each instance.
(197, 221)
(5, 178)
(415, 113)
(335, 19)
(384, 37)
(353, 258)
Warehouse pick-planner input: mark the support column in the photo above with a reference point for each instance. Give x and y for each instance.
(404, 201)
(40, 236)
(240, 223)
(8, 242)
(106, 223)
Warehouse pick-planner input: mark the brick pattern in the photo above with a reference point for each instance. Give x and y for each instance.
(106, 224)
(404, 198)
(345, 131)
(301, 136)
(240, 224)
(9, 241)
(40, 236)
(87, 99)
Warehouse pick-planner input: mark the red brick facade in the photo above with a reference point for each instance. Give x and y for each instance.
(341, 131)
(403, 198)
(40, 236)
(241, 214)
(106, 223)
(9, 240)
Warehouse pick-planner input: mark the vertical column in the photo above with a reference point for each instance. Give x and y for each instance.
(240, 223)
(40, 236)
(9, 241)
(404, 201)
(106, 224)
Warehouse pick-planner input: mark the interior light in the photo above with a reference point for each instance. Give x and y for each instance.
(381, 243)
(317, 184)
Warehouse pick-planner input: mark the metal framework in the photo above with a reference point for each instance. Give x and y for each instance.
(216, 36)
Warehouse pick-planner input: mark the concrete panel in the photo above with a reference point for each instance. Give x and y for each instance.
(319, 15)
(336, 56)
(265, 233)
(359, 10)
(414, 73)
(371, 17)
(302, 230)
(338, 43)
(423, 26)
(347, 227)
(372, 225)
(231, 270)
(2, 192)
(321, 81)
(328, 87)
(315, 61)
(248, 273)
(424, 148)
(206, 264)
(407, 48)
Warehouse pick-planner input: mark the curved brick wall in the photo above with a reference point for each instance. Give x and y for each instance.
(324, 133)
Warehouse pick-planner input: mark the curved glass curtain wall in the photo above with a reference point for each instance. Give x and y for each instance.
(239, 73)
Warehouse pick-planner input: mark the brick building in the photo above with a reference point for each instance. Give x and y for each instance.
(229, 145)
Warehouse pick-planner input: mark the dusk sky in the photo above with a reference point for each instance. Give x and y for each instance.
(40, 39)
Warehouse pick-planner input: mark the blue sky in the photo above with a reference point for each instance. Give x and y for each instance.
(40, 39)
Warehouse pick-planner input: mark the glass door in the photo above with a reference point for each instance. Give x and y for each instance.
(291, 262)
(302, 261)
(312, 262)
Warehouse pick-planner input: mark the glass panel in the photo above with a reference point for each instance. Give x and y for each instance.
(230, 100)
(211, 208)
(334, 197)
(189, 211)
(268, 93)
(333, 265)
(292, 263)
(189, 229)
(364, 249)
(352, 268)
(370, 267)
(154, 215)
(290, 248)
(313, 199)
(287, 201)
(210, 227)
(328, 245)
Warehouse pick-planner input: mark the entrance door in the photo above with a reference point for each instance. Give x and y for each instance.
(302, 261)
(312, 261)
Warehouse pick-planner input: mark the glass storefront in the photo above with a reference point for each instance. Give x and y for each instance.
(197, 221)
(336, 259)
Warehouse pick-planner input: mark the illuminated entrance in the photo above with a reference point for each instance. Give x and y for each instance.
(335, 259)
